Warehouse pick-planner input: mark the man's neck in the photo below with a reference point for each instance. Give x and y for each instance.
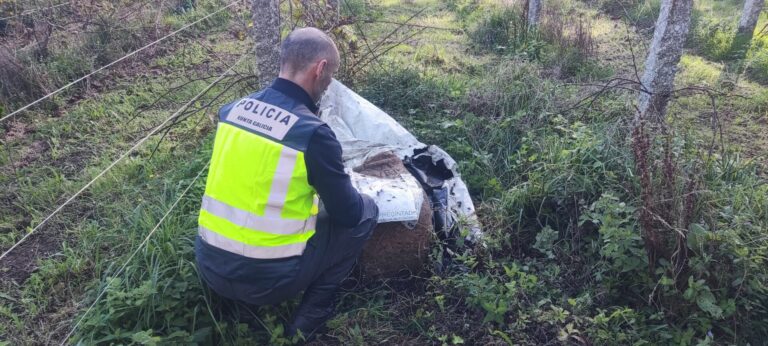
(302, 82)
(295, 91)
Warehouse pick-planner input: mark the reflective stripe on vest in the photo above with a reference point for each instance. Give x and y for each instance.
(258, 202)
(269, 223)
(264, 252)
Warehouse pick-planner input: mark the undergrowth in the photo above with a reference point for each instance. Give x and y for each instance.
(558, 190)
(562, 42)
(560, 193)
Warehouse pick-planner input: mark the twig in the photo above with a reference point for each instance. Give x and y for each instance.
(355, 67)
(362, 34)
(395, 45)
(190, 112)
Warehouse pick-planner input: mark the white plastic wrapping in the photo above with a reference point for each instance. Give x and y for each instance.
(365, 130)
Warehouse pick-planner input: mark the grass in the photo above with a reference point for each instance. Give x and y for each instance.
(87, 240)
(556, 188)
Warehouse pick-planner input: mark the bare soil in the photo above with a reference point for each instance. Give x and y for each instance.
(20, 263)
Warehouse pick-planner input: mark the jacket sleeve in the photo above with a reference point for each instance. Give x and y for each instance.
(326, 174)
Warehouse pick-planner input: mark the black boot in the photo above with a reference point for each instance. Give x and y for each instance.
(310, 322)
(317, 306)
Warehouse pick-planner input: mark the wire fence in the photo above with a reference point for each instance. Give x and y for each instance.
(116, 61)
(123, 156)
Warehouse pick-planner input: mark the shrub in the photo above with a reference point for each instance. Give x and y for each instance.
(642, 13)
(619, 244)
(757, 60)
(563, 43)
(16, 82)
(505, 31)
(712, 39)
(463, 8)
(514, 89)
(405, 92)
(571, 45)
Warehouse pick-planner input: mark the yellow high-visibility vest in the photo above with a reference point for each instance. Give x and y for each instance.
(258, 202)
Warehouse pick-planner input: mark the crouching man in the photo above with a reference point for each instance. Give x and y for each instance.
(262, 238)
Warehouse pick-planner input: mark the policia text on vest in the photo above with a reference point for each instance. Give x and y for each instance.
(263, 118)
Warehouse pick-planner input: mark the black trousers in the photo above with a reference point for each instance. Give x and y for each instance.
(328, 259)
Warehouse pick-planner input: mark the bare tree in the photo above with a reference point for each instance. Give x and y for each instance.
(663, 57)
(266, 33)
(533, 12)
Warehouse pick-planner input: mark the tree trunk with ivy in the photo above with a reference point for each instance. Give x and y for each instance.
(664, 55)
(265, 15)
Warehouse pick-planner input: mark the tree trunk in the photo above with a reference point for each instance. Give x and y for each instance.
(533, 11)
(664, 55)
(266, 33)
(749, 17)
(746, 28)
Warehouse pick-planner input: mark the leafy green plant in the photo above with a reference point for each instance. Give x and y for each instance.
(619, 242)
(498, 295)
(545, 241)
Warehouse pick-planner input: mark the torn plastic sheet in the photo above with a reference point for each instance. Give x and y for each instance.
(364, 130)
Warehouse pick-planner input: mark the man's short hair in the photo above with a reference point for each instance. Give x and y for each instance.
(305, 46)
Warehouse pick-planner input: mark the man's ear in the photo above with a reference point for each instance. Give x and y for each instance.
(321, 67)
